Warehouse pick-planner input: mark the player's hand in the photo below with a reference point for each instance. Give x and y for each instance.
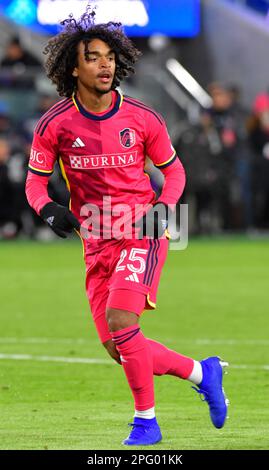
(154, 223)
(59, 218)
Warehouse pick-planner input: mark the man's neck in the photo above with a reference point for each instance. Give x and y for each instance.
(94, 102)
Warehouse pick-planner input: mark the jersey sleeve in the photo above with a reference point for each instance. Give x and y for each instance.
(158, 144)
(174, 183)
(36, 189)
(43, 153)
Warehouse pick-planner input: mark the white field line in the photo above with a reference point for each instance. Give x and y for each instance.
(86, 360)
(78, 341)
(69, 360)
(42, 340)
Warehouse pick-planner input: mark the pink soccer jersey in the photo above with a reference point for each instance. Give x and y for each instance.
(102, 154)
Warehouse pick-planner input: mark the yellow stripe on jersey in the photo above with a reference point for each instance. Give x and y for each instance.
(38, 169)
(159, 165)
(167, 234)
(64, 175)
(151, 304)
(82, 241)
(74, 101)
(68, 187)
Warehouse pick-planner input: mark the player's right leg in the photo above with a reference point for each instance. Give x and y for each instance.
(122, 314)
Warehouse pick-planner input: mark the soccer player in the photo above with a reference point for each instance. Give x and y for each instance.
(101, 139)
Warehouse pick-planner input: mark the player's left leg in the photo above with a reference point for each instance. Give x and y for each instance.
(207, 375)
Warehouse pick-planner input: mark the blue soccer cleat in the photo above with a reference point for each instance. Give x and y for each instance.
(145, 432)
(211, 388)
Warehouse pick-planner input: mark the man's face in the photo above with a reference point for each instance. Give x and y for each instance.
(97, 72)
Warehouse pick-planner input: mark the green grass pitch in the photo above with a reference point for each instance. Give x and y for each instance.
(213, 299)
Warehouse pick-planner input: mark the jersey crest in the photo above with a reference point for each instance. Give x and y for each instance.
(127, 137)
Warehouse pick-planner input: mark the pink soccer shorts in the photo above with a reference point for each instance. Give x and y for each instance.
(125, 275)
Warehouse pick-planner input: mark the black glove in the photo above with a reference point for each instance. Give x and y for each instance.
(154, 223)
(59, 218)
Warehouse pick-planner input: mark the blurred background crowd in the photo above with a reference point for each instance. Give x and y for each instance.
(218, 121)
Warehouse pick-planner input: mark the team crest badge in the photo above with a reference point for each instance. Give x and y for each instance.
(127, 137)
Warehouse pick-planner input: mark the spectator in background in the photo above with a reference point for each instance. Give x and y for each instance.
(10, 130)
(7, 226)
(216, 158)
(229, 139)
(16, 55)
(17, 61)
(258, 130)
(237, 107)
(244, 156)
(16, 216)
(194, 147)
(45, 102)
(5, 120)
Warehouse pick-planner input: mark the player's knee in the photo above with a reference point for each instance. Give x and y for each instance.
(119, 319)
(116, 322)
(112, 351)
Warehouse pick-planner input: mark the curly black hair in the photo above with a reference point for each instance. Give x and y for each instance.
(62, 50)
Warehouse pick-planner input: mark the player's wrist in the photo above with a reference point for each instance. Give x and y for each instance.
(60, 219)
(155, 221)
(161, 204)
(48, 209)
(170, 208)
(164, 209)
